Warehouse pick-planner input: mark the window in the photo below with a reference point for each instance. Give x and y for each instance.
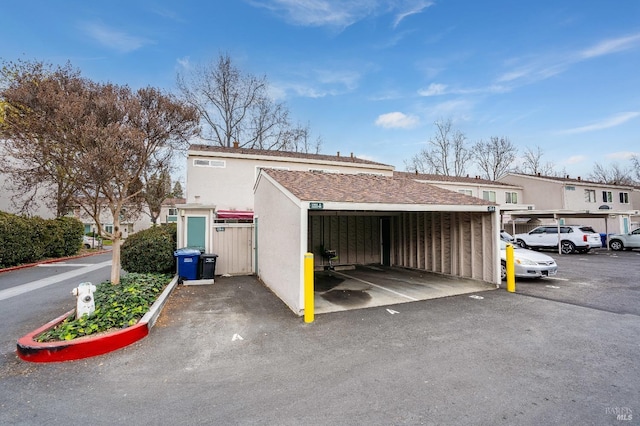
(624, 197)
(465, 191)
(489, 195)
(173, 212)
(590, 195)
(607, 197)
(221, 164)
(324, 170)
(511, 197)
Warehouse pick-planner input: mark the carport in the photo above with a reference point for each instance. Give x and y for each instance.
(370, 221)
(559, 216)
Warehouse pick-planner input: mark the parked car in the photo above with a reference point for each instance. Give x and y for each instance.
(572, 238)
(505, 236)
(625, 241)
(90, 242)
(528, 263)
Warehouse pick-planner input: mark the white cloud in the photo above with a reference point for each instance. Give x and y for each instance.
(576, 159)
(397, 120)
(113, 38)
(622, 155)
(412, 9)
(434, 89)
(611, 46)
(339, 14)
(607, 123)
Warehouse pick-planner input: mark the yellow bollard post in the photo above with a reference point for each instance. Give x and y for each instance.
(511, 270)
(308, 288)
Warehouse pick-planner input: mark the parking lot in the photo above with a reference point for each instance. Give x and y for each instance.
(560, 350)
(601, 279)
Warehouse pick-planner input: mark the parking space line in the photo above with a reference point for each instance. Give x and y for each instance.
(377, 286)
(53, 265)
(558, 279)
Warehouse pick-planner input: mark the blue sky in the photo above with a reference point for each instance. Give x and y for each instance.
(371, 77)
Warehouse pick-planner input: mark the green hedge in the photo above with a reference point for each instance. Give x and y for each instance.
(150, 250)
(27, 240)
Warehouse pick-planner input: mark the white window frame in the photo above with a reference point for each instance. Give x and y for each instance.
(489, 196)
(201, 162)
(466, 191)
(624, 198)
(607, 197)
(590, 195)
(511, 197)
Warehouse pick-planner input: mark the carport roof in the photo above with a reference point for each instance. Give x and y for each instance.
(363, 188)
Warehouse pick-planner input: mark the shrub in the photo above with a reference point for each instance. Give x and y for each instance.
(117, 306)
(150, 250)
(25, 240)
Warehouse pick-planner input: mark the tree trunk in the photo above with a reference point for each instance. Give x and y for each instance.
(115, 254)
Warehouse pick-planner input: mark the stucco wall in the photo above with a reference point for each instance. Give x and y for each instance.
(279, 238)
(231, 187)
(545, 195)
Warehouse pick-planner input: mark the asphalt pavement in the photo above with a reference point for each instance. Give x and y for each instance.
(233, 353)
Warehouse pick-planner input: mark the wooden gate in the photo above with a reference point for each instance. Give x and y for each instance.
(233, 243)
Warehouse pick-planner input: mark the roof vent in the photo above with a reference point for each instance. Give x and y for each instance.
(338, 155)
(236, 144)
(352, 155)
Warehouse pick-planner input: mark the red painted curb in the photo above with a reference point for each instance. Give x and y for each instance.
(59, 259)
(84, 347)
(29, 349)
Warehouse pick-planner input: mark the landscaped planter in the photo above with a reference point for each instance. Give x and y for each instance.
(84, 347)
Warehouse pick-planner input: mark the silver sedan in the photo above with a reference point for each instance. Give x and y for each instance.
(528, 263)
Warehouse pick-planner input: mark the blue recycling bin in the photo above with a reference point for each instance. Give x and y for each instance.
(603, 238)
(187, 260)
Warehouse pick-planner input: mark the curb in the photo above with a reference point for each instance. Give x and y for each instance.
(58, 259)
(85, 347)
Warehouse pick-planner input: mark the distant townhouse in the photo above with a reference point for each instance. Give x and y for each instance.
(509, 197)
(610, 208)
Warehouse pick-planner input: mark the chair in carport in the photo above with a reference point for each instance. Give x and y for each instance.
(329, 255)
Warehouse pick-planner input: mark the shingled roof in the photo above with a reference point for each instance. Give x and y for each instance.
(363, 188)
(449, 179)
(286, 154)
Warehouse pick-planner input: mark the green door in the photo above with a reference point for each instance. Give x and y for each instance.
(196, 231)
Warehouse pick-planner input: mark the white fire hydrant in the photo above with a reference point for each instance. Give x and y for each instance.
(84, 299)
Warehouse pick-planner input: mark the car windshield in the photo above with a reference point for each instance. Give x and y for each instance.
(587, 230)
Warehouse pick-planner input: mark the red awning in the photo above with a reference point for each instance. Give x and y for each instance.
(234, 214)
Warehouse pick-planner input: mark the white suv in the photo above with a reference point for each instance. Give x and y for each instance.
(572, 238)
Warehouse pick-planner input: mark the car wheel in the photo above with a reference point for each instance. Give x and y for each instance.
(616, 245)
(503, 270)
(87, 246)
(567, 247)
(521, 243)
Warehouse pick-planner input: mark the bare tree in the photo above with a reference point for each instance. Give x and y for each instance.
(532, 163)
(236, 107)
(157, 189)
(635, 163)
(494, 157)
(104, 141)
(611, 174)
(446, 152)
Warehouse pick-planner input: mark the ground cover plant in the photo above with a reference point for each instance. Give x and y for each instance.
(117, 306)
